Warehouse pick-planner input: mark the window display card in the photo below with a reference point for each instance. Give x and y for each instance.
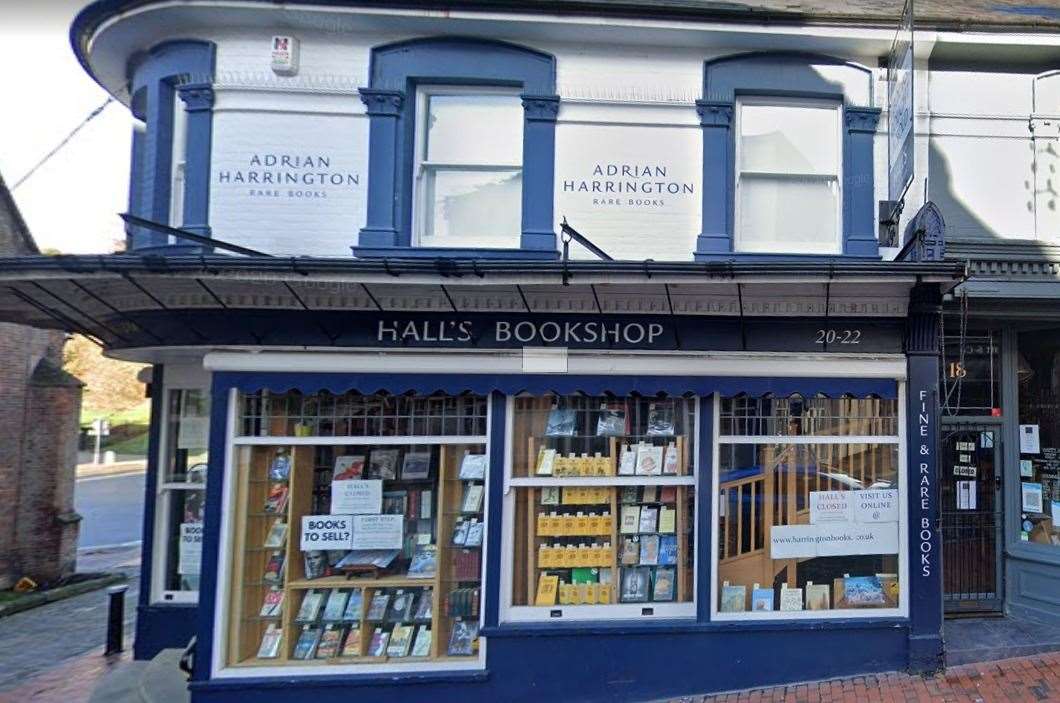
(832, 539)
(966, 495)
(876, 505)
(356, 497)
(1032, 497)
(193, 432)
(970, 471)
(1029, 439)
(831, 506)
(1054, 507)
(377, 532)
(325, 532)
(986, 441)
(1026, 468)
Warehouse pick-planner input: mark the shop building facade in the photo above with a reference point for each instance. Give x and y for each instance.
(398, 440)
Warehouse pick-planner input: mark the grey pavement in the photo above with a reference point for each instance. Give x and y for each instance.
(39, 639)
(112, 509)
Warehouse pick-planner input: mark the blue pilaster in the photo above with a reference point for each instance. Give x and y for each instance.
(859, 193)
(198, 103)
(156, 188)
(539, 169)
(716, 234)
(384, 109)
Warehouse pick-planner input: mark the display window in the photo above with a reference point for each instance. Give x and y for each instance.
(358, 528)
(181, 494)
(809, 510)
(601, 508)
(1038, 373)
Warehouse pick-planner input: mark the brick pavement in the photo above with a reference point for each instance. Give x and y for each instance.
(1033, 679)
(69, 682)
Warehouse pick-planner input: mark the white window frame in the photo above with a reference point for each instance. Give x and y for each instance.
(160, 543)
(422, 207)
(640, 612)
(223, 595)
(837, 106)
(178, 165)
(903, 521)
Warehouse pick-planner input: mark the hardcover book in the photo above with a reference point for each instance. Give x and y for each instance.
(670, 459)
(474, 533)
(550, 495)
(351, 645)
(473, 495)
(649, 460)
(791, 599)
(630, 519)
(416, 466)
(733, 599)
(377, 646)
(462, 639)
(473, 467)
(400, 641)
(667, 519)
(863, 592)
(668, 550)
(270, 642)
(661, 419)
(546, 459)
(761, 598)
(668, 494)
(280, 468)
(560, 423)
(817, 596)
(348, 467)
(277, 535)
(306, 646)
(649, 516)
(663, 588)
(422, 644)
(460, 532)
(330, 640)
(377, 606)
(649, 550)
(336, 605)
(547, 587)
(272, 606)
(630, 551)
(354, 603)
(382, 463)
(312, 602)
(612, 420)
(635, 583)
(627, 463)
(276, 501)
(424, 562)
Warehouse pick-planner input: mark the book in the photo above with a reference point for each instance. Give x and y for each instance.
(351, 644)
(272, 605)
(377, 645)
(647, 494)
(663, 586)
(336, 605)
(546, 459)
(395, 502)
(630, 519)
(424, 562)
(400, 641)
(330, 641)
(462, 639)
(416, 466)
(352, 611)
(401, 606)
(473, 494)
(473, 467)
(312, 602)
(422, 645)
(649, 516)
(460, 532)
(583, 574)
(277, 535)
(791, 599)
(761, 598)
(817, 596)
(630, 551)
(635, 583)
(661, 419)
(274, 569)
(280, 467)
(475, 531)
(316, 564)
(270, 642)
(627, 461)
(547, 588)
(862, 592)
(306, 646)
(377, 606)
(560, 423)
(670, 459)
(667, 519)
(889, 582)
(382, 463)
(649, 460)
(550, 495)
(612, 420)
(424, 606)
(629, 494)
(649, 550)
(668, 550)
(668, 494)
(348, 467)
(276, 500)
(733, 599)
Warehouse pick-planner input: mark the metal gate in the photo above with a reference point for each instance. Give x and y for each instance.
(971, 485)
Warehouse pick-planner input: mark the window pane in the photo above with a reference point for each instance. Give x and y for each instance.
(789, 139)
(187, 436)
(808, 527)
(971, 373)
(1039, 397)
(475, 129)
(821, 416)
(582, 542)
(183, 509)
(778, 215)
(473, 208)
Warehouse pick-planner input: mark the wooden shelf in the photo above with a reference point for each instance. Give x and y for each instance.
(343, 582)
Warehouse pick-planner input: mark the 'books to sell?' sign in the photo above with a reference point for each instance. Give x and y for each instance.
(190, 552)
(327, 532)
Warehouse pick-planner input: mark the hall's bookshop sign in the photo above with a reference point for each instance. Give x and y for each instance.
(841, 523)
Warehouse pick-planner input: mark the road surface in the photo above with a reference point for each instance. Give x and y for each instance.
(112, 509)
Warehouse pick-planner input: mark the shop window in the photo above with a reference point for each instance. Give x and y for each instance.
(788, 177)
(181, 494)
(1038, 372)
(469, 157)
(602, 513)
(358, 531)
(971, 374)
(809, 517)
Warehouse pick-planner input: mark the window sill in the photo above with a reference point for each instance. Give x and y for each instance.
(783, 257)
(394, 678)
(453, 253)
(627, 627)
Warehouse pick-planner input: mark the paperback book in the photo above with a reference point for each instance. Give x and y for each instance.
(276, 500)
(649, 516)
(424, 607)
(416, 466)
(649, 550)
(382, 464)
(312, 602)
(761, 598)
(663, 588)
(630, 519)
(635, 583)
(473, 495)
(791, 599)
(270, 642)
(817, 596)
(336, 605)
(348, 467)
(612, 420)
(422, 645)
(668, 550)
(272, 606)
(670, 459)
(352, 612)
(351, 645)
(649, 460)
(661, 419)
(424, 562)
(546, 459)
(277, 535)
(330, 640)
(377, 606)
(377, 646)
(401, 606)
(274, 569)
(627, 462)
(462, 639)
(306, 646)
(280, 468)
(473, 467)
(400, 641)
(475, 531)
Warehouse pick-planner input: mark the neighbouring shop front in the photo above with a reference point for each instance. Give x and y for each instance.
(637, 468)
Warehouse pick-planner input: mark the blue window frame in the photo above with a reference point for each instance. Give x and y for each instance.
(786, 77)
(398, 72)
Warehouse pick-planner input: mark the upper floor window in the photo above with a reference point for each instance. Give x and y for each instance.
(178, 166)
(788, 176)
(469, 167)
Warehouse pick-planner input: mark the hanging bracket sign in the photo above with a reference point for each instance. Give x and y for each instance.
(900, 115)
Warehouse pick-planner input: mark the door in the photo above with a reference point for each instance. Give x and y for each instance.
(971, 518)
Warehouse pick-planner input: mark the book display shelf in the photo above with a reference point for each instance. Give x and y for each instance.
(605, 505)
(400, 524)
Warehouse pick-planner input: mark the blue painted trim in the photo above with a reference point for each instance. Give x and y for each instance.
(183, 68)
(782, 75)
(212, 520)
(495, 518)
(447, 253)
(340, 681)
(163, 626)
(704, 575)
(685, 625)
(397, 70)
(154, 431)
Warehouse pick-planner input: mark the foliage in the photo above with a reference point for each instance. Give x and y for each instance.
(111, 386)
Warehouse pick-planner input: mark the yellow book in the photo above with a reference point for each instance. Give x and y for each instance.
(569, 524)
(591, 590)
(603, 594)
(569, 558)
(667, 520)
(565, 593)
(581, 593)
(544, 556)
(547, 587)
(581, 525)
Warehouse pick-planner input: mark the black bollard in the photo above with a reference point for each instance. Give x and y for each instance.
(116, 619)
